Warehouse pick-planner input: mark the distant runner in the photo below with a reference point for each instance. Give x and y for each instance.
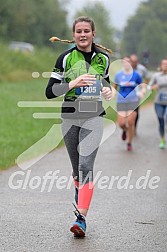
(159, 82)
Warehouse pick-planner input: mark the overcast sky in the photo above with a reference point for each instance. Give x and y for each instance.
(120, 9)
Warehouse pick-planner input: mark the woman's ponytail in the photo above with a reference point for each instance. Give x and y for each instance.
(55, 39)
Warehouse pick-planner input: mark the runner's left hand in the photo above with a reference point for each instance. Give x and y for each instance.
(107, 93)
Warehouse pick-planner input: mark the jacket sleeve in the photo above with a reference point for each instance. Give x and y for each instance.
(106, 79)
(56, 85)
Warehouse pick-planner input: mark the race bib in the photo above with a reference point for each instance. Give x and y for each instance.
(93, 90)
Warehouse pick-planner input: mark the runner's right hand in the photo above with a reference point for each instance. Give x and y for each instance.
(82, 80)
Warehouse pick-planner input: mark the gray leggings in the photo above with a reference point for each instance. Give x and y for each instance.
(82, 138)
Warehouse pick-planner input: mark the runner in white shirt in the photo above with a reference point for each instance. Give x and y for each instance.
(159, 82)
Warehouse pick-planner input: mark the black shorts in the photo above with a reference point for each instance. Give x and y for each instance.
(127, 106)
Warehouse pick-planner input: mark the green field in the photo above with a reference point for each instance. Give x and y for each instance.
(19, 130)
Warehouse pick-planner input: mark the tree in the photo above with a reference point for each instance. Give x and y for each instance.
(156, 43)
(147, 29)
(32, 21)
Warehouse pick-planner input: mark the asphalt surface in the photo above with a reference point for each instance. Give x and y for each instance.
(121, 218)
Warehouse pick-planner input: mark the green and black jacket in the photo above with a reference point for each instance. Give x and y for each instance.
(71, 64)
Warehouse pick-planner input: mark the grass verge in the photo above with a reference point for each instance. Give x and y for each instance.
(19, 130)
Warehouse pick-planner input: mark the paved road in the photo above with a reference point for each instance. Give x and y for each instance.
(125, 220)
